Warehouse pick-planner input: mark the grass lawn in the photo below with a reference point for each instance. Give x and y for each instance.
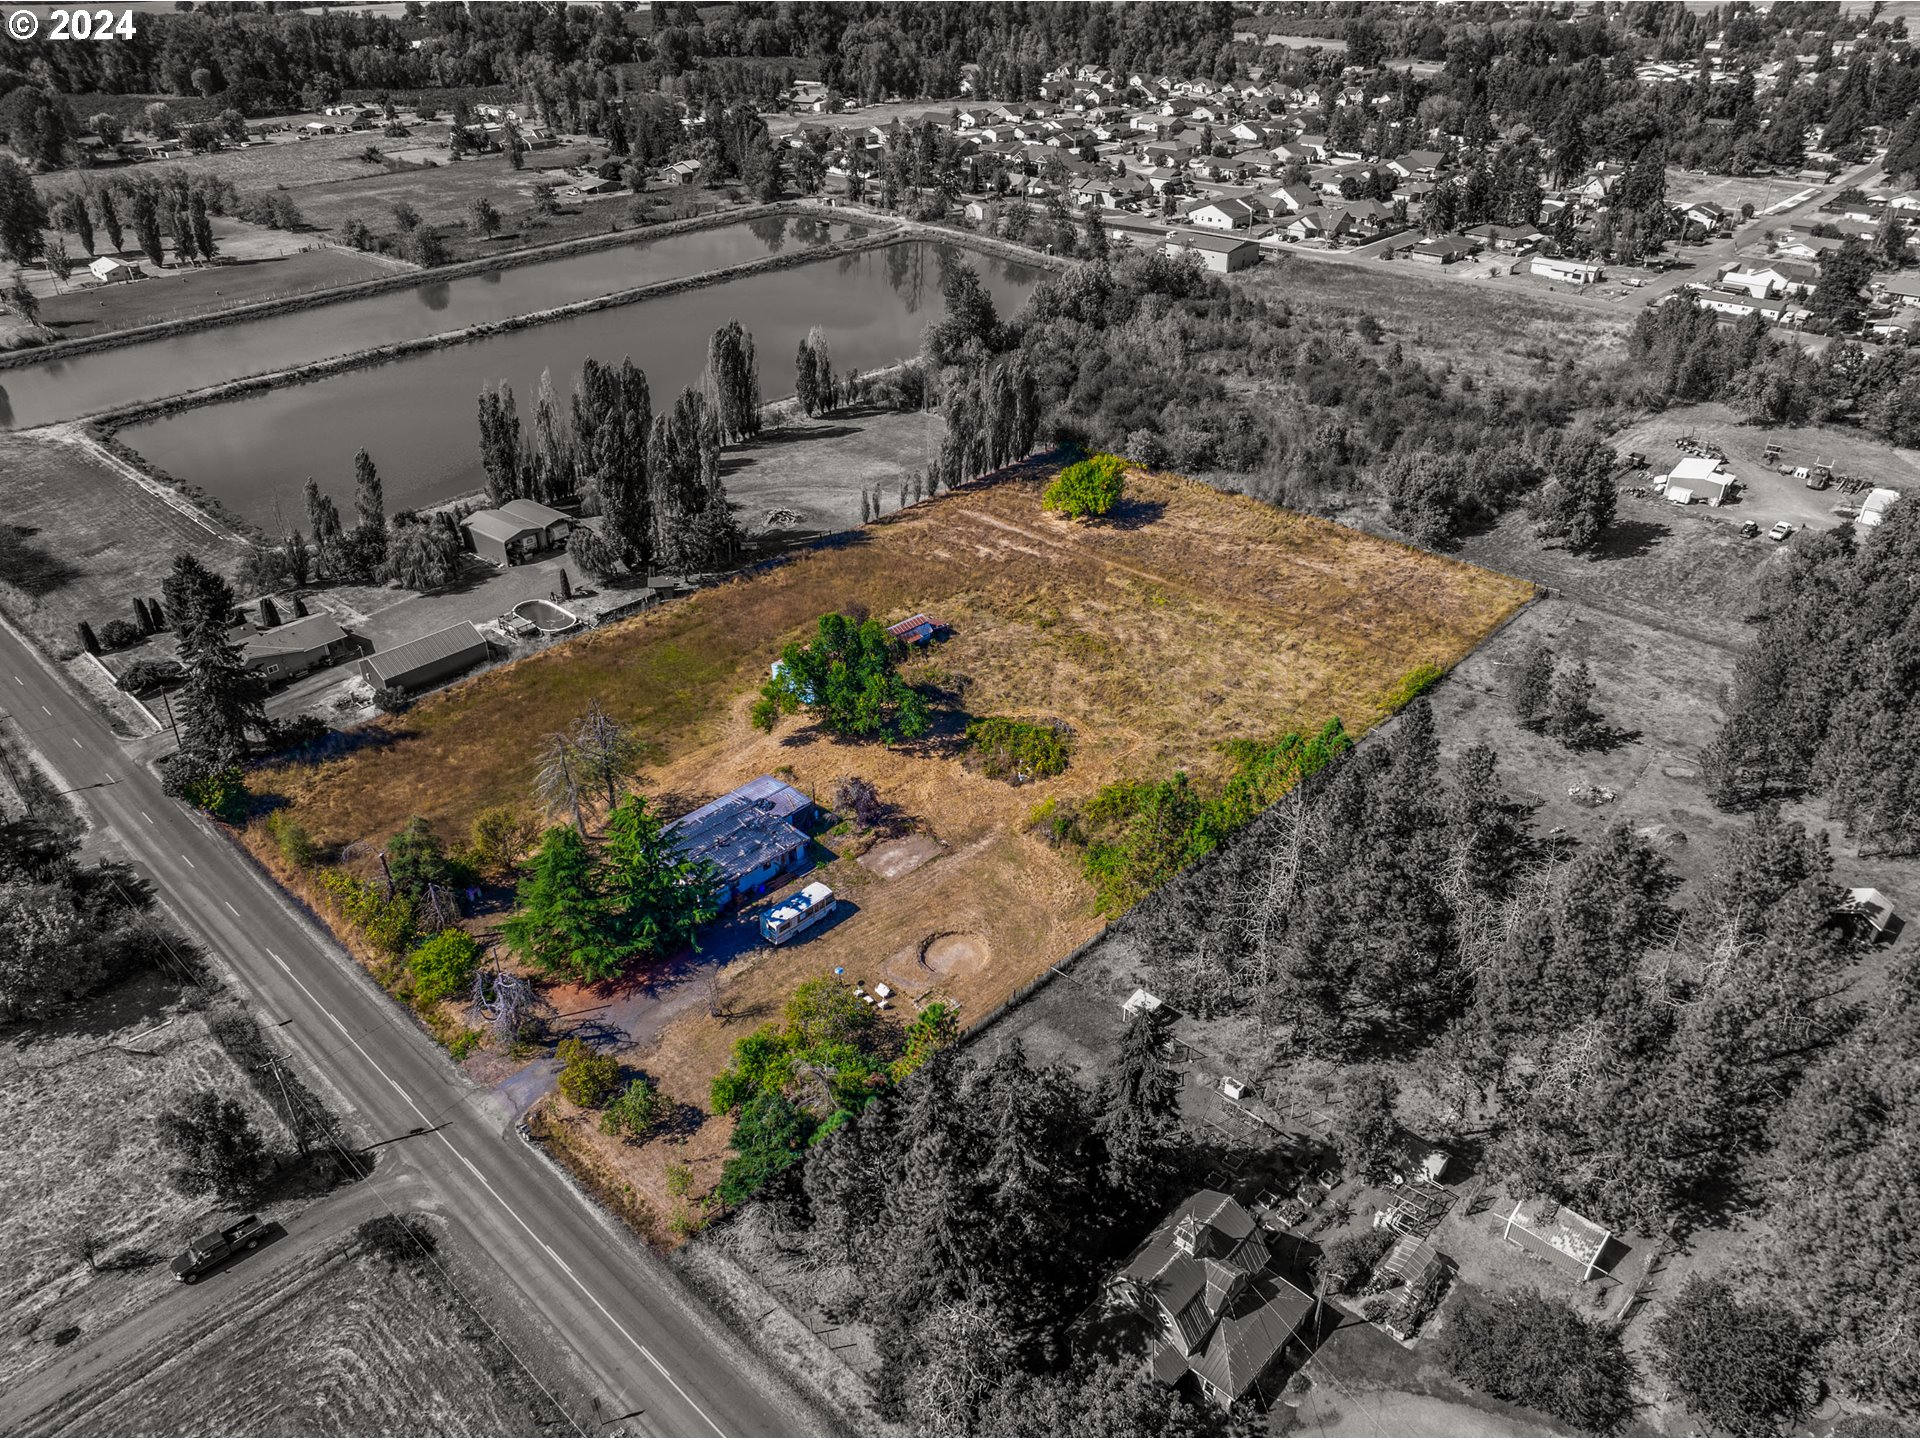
(60, 562)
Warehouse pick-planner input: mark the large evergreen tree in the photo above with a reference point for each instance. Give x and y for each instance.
(223, 698)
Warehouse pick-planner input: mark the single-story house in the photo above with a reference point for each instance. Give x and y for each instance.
(1206, 1279)
(1222, 215)
(1318, 224)
(109, 269)
(1574, 272)
(752, 835)
(516, 532)
(1902, 289)
(1222, 254)
(420, 664)
(1556, 1233)
(592, 185)
(289, 651)
(916, 629)
(1440, 250)
(1762, 283)
(683, 172)
(1507, 239)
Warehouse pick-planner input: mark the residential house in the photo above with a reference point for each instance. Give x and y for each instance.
(1901, 289)
(1222, 215)
(1416, 164)
(752, 835)
(683, 172)
(1223, 1313)
(1222, 254)
(1295, 198)
(286, 652)
(110, 270)
(1317, 224)
(1507, 239)
(1440, 250)
(1573, 272)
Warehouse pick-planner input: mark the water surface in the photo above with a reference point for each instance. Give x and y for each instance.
(416, 416)
(107, 379)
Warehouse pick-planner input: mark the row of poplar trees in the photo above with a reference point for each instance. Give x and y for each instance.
(654, 477)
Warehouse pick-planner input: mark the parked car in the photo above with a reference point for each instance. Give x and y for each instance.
(209, 1252)
(1781, 530)
(1750, 529)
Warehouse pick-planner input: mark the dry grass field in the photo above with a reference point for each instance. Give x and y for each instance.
(58, 563)
(1193, 619)
(1508, 334)
(80, 1094)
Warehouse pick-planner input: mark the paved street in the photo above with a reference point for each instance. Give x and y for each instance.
(650, 1347)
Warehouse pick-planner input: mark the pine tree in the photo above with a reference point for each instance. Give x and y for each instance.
(1530, 682)
(369, 511)
(1139, 1110)
(557, 924)
(1570, 716)
(223, 697)
(660, 898)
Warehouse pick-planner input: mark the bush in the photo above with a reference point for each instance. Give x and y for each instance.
(213, 1145)
(1088, 488)
(1348, 1261)
(500, 835)
(397, 1239)
(1411, 686)
(587, 1077)
(1533, 1350)
(633, 1111)
(1019, 750)
(145, 675)
(118, 634)
(391, 700)
(290, 837)
(443, 966)
(857, 798)
(1740, 1365)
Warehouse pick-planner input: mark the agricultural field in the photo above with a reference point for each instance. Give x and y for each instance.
(83, 1161)
(1193, 619)
(348, 1338)
(58, 564)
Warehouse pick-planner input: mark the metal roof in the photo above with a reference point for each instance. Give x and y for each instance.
(532, 512)
(744, 830)
(427, 650)
(498, 525)
(296, 637)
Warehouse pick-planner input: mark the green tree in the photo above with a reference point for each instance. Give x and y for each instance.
(769, 1138)
(846, 680)
(48, 949)
(558, 924)
(1741, 1365)
(632, 1112)
(1366, 1127)
(212, 1145)
(443, 966)
(588, 1077)
(1570, 717)
(422, 554)
(733, 377)
(1087, 489)
(144, 212)
(1530, 682)
(657, 898)
(483, 219)
(1139, 1116)
(1844, 275)
(370, 512)
(1534, 1350)
(223, 698)
(417, 861)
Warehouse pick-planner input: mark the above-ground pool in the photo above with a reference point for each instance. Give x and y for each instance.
(546, 616)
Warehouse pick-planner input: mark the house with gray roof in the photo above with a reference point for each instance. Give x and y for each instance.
(1224, 1314)
(428, 661)
(752, 835)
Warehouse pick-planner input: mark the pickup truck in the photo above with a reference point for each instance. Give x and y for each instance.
(210, 1251)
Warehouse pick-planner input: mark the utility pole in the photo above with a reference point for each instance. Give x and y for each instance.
(274, 1063)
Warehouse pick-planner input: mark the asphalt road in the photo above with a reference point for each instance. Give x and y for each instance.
(653, 1350)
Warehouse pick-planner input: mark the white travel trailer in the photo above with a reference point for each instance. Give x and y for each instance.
(797, 914)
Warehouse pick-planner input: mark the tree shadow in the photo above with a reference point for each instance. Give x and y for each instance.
(34, 569)
(1133, 513)
(1629, 539)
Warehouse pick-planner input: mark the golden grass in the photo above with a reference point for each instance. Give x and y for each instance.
(1201, 617)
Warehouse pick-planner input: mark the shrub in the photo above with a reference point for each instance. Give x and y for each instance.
(391, 700)
(633, 1111)
(443, 966)
(118, 634)
(145, 675)
(501, 834)
(1534, 1350)
(397, 1239)
(587, 1077)
(1740, 1365)
(857, 798)
(1088, 488)
(1348, 1261)
(1411, 686)
(1019, 750)
(212, 1144)
(290, 837)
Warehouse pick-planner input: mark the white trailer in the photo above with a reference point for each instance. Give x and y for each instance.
(797, 914)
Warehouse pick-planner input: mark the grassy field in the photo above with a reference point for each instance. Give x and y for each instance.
(58, 563)
(1507, 334)
(176, 294)
(1196, 619)
(339, 1342)
(82, 1158)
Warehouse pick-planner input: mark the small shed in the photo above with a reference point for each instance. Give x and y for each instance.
(427, 661)
(110, 270)
(1703, 476)
(1556, 1233)
(917, 629)
(1872, 911)
(1141, 1002)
